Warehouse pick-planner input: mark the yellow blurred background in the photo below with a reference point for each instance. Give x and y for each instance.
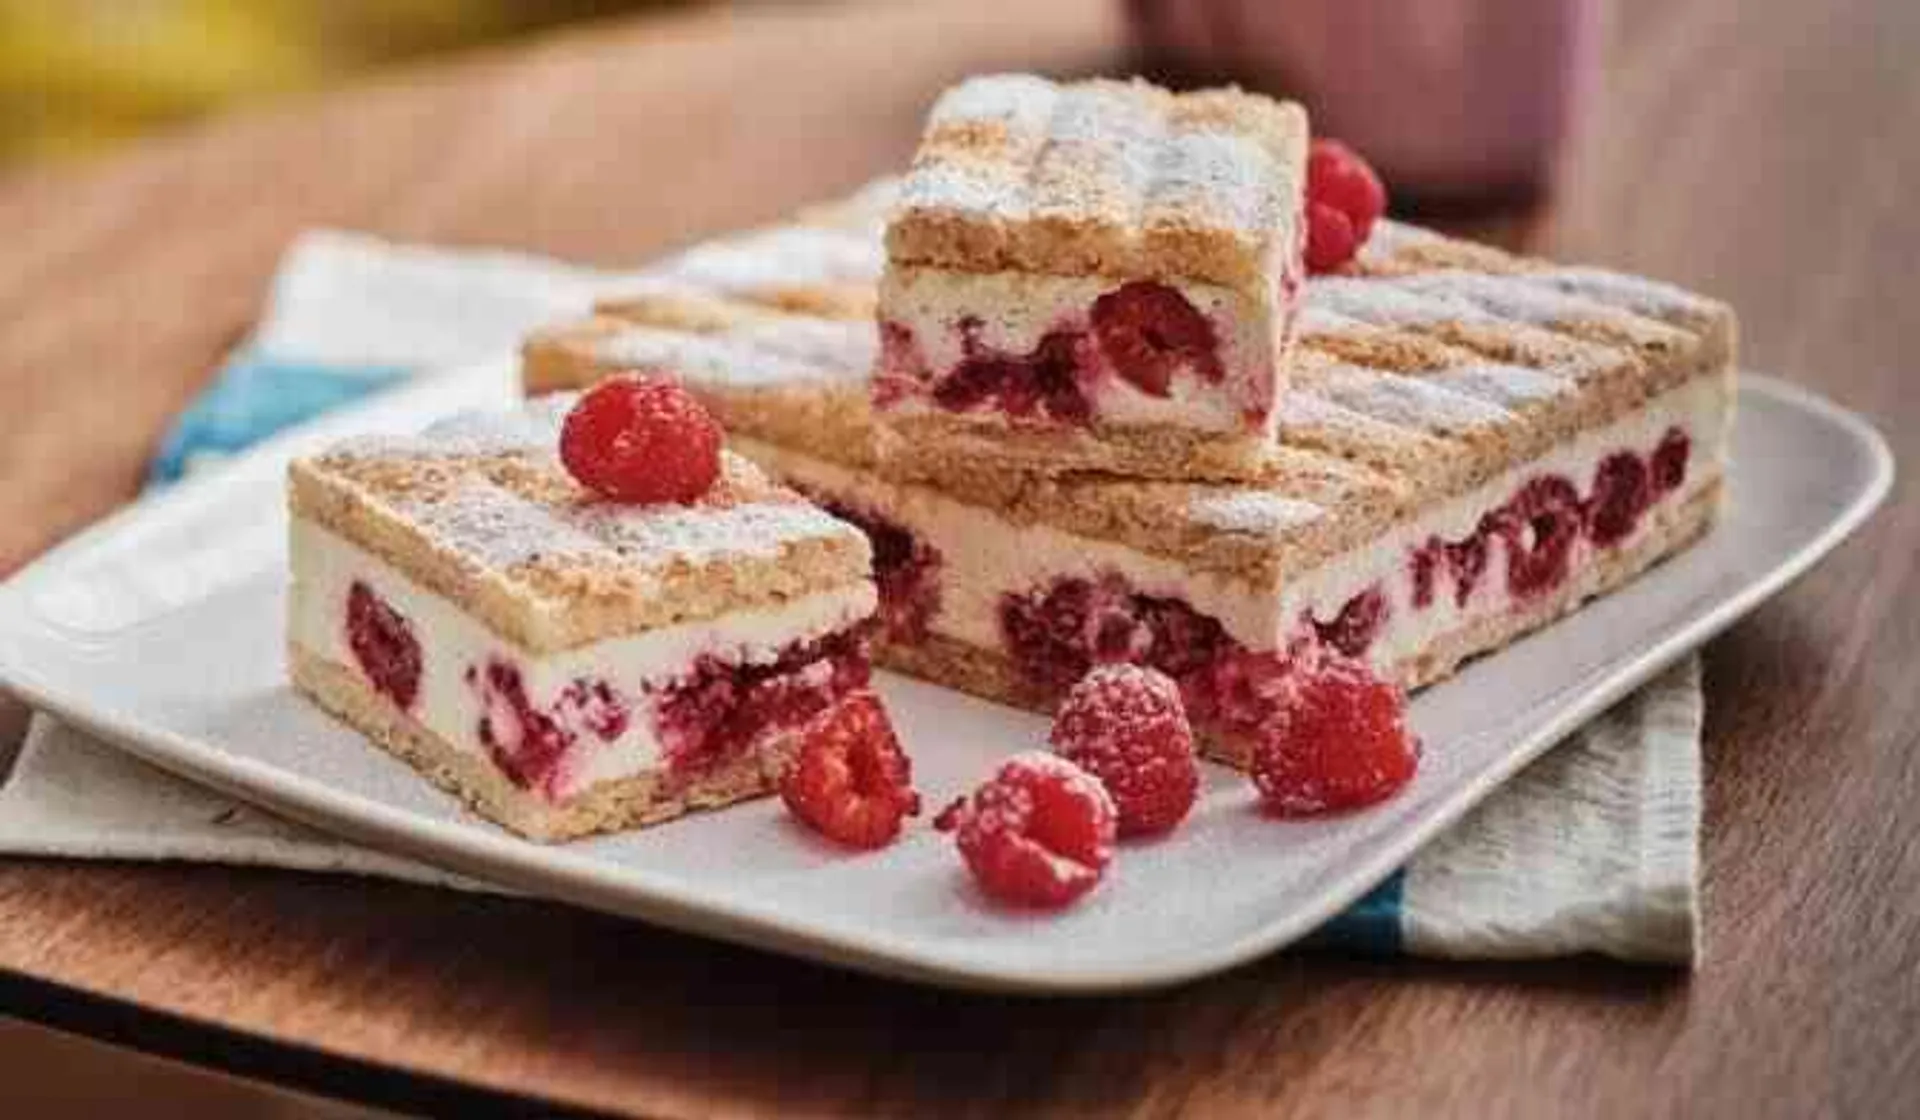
(76, 75)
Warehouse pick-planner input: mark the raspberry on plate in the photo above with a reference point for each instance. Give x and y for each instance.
(1039, 833)
(851, 782)
(1344, 199)
(1125, 725)
(1341, 742)
(641, 439)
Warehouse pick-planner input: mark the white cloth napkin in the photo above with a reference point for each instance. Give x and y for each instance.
(1592, 849)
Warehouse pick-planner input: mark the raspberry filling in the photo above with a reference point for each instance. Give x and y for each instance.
(705, 717)
(1357, 624)
(1057, 632)
(383, 643)
(906, 570)
(1540, 526)
(1546, 517)
(532, 745)
(1142, 332)
(713, 713)
(1041, 386)
(1148, 332)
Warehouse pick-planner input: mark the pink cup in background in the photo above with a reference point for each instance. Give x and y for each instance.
(1449, 98)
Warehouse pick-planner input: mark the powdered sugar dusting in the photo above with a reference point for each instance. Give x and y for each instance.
(835, 347)
(1107, 152)
(780, 257)
(534, 427)
(1507, 296)
(1045, 764)
(1228, 178)
(786, 350)
(1390, 237)
(1637, 294)
(1318, 319)
(1504, 385)
(653, 536)
(1389, 303)
(1249, 511)
(1408, 401)
(1023, 102)
(496, 529)
(697, 358)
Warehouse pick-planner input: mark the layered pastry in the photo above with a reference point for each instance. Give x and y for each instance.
(1471, 445)
(1096, 276)
(563, 663)
(826, 262)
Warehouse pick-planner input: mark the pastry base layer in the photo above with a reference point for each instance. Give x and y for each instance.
(645, 798)
(967, 456)
(989, 674)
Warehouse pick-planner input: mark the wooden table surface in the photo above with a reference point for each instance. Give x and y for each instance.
(1764, 151)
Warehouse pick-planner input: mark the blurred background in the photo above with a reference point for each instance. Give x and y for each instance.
(78, 75)
(1450, 98)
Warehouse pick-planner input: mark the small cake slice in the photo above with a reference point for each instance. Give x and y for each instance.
(564, 663)
(1095, 276)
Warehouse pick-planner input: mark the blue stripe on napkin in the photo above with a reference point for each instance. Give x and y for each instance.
(1371, 925)
(253, 397)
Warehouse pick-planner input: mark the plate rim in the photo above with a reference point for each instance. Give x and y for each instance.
(595, 884)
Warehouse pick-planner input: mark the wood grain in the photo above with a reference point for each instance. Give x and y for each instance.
(1762, 151)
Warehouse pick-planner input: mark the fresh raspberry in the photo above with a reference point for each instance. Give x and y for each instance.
(383, 642)
(1126, 725)
(1337, 176)
(1039, 833)
(1344, 199)
(851, 782)
(641, 439)
(1148, 331)
(1340, 742)
(1331, 240)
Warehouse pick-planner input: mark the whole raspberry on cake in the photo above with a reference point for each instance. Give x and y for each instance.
(638, 439)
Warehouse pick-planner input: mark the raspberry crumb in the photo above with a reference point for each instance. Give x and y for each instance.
(851, 782)
(641, 439)
(1039, 833)
(1126, 725)
(1340, 742)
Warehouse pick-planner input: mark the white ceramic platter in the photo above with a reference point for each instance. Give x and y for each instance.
(160, 630)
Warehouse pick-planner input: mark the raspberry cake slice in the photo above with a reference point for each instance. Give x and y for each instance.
(563, 663)
(1095, 276)
(1473, 444)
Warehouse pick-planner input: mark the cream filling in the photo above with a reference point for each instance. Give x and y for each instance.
(1017, 309)
(984, 556)
(326, 565)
